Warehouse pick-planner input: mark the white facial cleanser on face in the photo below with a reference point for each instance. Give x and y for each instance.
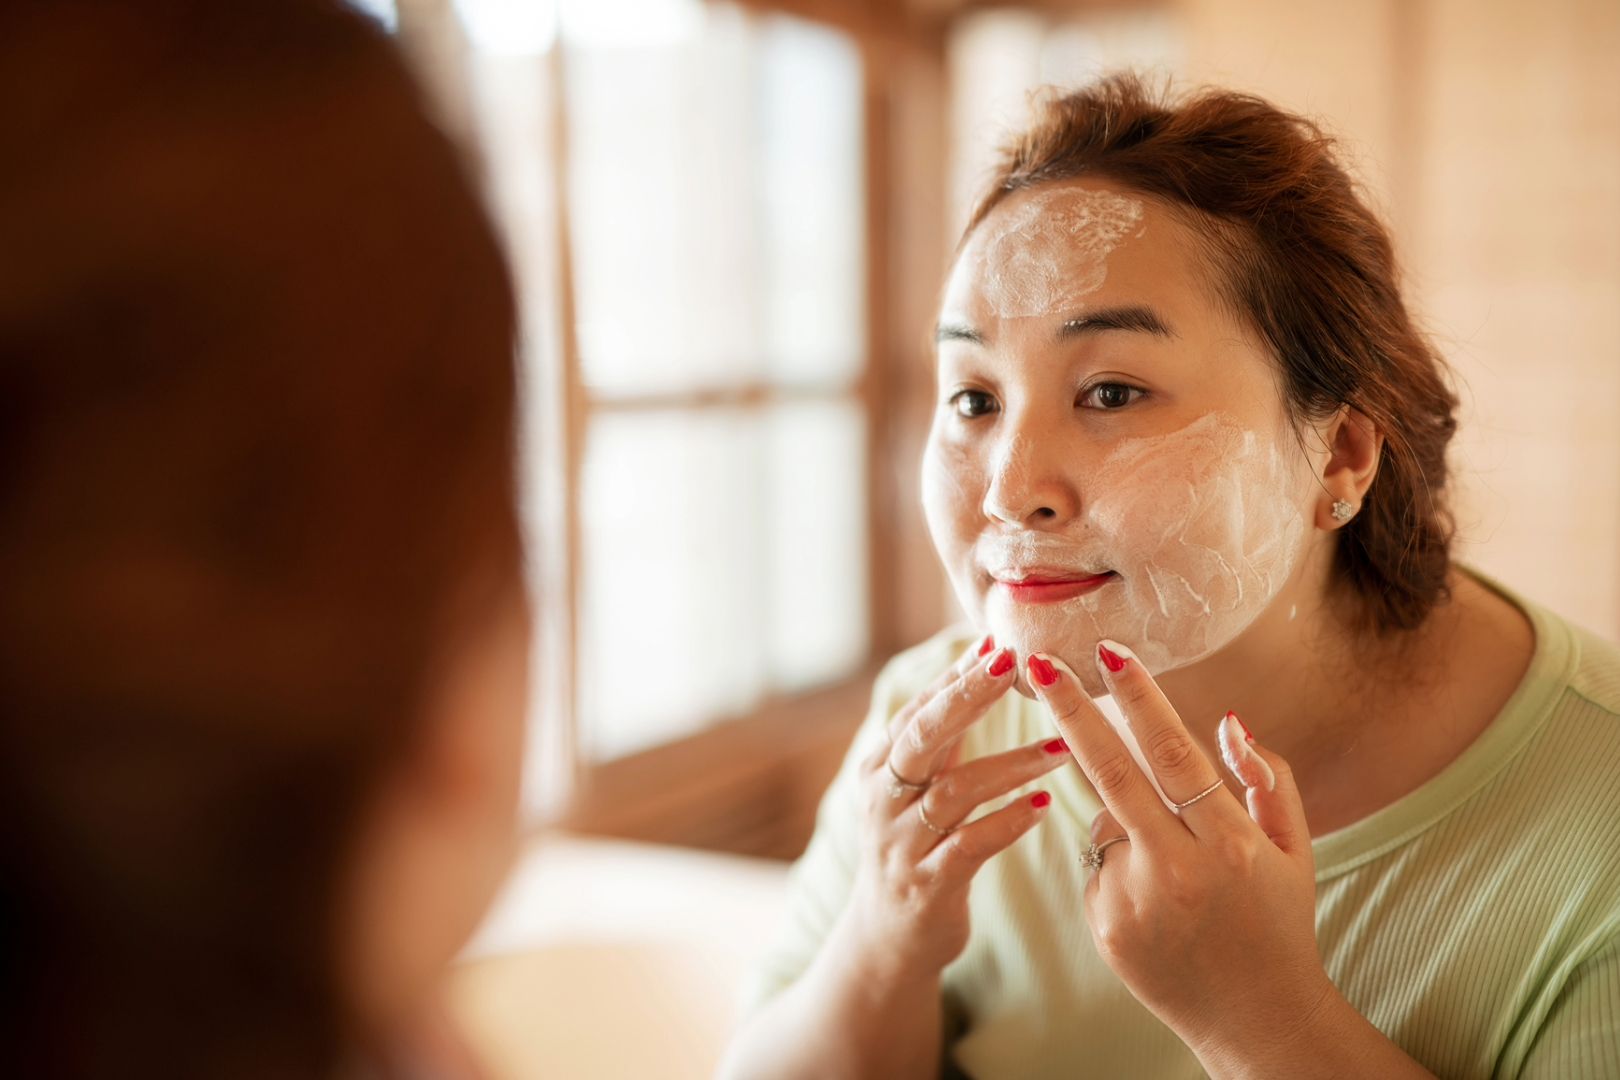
(1051, 252)
(1199, 534)
(1186, 535)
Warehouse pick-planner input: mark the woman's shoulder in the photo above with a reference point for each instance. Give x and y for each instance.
(1569, 713)
(1570, 666)
(1575, 670)
(1595, 670)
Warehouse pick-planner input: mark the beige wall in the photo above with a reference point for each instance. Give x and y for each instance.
(1490, 134)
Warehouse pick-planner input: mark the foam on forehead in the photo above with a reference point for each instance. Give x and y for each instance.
(1049, 253)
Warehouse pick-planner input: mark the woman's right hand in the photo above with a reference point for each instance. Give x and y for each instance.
(919, 851)
(869, 1004)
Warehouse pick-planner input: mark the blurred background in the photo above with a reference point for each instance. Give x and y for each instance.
(730, 221)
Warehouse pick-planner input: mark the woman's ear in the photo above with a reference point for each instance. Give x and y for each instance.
(1355, 446)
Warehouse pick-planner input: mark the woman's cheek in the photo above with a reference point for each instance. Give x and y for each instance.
(1202, 533)
(1218, 556)
(1198, 523)
(1199, 562)
(952, 491)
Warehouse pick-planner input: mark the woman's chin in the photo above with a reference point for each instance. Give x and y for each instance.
(1022, 685)
(1028, 632)
(1084, 671)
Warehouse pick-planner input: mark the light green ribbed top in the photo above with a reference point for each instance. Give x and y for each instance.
(1475, 921)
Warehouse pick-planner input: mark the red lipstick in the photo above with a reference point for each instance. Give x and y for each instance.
(1052, 588)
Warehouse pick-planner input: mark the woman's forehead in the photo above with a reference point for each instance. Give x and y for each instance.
(1059, 249)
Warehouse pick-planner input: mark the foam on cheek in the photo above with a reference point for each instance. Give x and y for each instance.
(952, 485)
(1210, 545)
(952, 489)
(1050, 253)
(1201, 527)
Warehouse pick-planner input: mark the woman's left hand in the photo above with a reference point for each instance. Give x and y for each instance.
(1206, 914)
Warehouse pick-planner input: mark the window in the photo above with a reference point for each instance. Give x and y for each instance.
(715, 197)
(681, 186)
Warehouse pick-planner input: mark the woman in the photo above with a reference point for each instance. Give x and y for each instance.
(1189, 453)
(263, 636)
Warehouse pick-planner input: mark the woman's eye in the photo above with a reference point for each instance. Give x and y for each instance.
(971, 403)
(1110, 396)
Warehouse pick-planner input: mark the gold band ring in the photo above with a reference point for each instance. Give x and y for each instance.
(1212, 789)
(899, 785)
(923, 817)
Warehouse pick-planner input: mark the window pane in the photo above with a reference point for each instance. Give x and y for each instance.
(508, 27)
(670, 560)
(715, 197)
(811, 161)
(723, 558)
(818, 618)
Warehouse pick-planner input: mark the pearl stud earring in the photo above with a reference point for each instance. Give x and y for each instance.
(1342, 511)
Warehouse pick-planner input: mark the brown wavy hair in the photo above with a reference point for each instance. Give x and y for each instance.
(1300, 257)
(256, 478)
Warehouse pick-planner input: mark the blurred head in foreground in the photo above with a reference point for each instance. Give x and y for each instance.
(263, 633)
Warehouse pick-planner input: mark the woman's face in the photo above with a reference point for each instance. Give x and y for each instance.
(1110, 456)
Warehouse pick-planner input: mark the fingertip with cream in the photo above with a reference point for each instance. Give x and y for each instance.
(1057, 662)
(1112, 656)
(1044, 669)
(1233, 739)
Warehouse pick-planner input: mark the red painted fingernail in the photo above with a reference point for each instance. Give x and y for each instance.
(1042, 671)
(1056, 746)
(1040, 800)
(989, 643)
(1232, 716)
(1002, 664)
(1113, 661)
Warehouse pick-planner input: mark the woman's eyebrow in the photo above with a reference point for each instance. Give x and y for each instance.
(949, 331)
(1137, 317)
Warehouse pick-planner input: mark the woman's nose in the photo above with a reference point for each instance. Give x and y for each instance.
(1028, 486)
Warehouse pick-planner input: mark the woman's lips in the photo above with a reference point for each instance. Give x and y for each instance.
(1051, 588)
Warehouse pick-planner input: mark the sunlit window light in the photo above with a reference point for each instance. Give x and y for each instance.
(509, 27)
(630, 23)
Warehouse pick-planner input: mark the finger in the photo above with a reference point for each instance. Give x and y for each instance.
(1274, 801)
(918, 752)
(954, 795)
(959, 856)
(1180, 765)
(1105, 827)
(968, 658)
(1103, 756)
(964, 661)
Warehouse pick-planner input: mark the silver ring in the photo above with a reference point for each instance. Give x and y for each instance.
(899, 785)
(1212, 789)
(1093, 856)
(923, 817)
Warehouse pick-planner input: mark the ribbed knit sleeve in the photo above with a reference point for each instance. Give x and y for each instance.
(1581, 1035)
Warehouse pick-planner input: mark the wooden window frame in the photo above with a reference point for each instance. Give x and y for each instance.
(750, 783)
